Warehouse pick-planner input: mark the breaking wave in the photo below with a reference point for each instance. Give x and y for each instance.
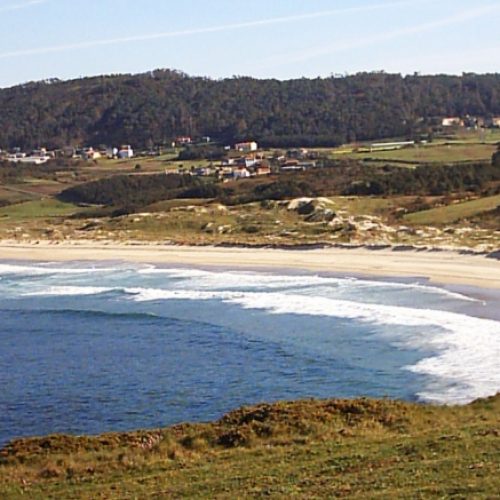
(466, 349)
(458, 353)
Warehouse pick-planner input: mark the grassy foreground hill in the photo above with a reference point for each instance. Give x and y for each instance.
(306, 449)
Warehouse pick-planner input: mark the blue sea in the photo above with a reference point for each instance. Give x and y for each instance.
(91, 348)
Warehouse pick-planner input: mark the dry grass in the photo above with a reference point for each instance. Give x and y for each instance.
(305, 449)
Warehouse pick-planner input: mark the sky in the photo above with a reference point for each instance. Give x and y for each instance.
(42, 39)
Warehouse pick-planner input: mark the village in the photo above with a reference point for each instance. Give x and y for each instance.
(207, 158)
(243, 160)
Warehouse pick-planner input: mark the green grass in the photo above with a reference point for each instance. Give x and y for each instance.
(304, 449)
(454, 212)
(10, 196)
(148, 164)
(43, 208)
(489, 136)
(431, 153)
(367, 205)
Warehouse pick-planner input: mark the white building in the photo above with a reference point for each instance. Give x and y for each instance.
(246, 146)
(36, 160)
(451, 121)
(125, 152)
(90, 154)
(241, 173)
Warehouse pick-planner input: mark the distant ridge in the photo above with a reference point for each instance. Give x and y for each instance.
(154, 107)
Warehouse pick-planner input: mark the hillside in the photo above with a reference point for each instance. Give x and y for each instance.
(303, 449)
(153, 108)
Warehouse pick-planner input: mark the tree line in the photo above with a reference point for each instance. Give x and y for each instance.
(130, 193)
(154, 107)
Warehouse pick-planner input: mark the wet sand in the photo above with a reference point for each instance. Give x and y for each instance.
(443, 267)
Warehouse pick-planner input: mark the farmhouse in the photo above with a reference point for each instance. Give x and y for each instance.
(241, 173)
(183, 140)
(452, 121)
(246, 146)
(125, 151)
(90, 154)
(262, 170)
(495, 121)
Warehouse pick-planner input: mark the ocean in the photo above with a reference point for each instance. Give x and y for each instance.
(97, 347)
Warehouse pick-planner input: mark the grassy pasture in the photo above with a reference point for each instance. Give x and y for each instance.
(43, 208)
(441, 153)
(454, 212)
(369, 205)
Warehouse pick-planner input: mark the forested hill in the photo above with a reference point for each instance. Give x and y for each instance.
(156, 106)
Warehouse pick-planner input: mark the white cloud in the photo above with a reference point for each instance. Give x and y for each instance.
(197, 31)
(24, 5)
(314, 52)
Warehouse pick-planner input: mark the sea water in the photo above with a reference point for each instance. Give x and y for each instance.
(90, 348)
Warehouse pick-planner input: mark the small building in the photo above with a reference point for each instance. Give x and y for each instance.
(90, 154)
(22, 158)
(307, 164)
(494, 122)
(241, 173)
(248, 161)
(262, 170)
(246, 146)
(112, 153)
(125, 152)
(291, 168)
(67, 151)
(203, 171)
(297, 154)
(387, 146)
(452, 121)
(183, 140)
(290, 163)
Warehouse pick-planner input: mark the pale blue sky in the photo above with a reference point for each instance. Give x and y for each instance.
(262, 38)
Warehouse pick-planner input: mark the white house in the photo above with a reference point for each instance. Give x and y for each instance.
(241, 173)
(246, 146)
(183, 140)
(90, 154)
(451, 121)
(125, 152)
(495, 121)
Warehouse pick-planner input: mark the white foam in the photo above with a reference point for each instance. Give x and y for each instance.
(223, 280)
(6, 269)
(69, 290)
(151, 294)
(466, 349)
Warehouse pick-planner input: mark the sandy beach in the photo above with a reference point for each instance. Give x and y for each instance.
(444, 267)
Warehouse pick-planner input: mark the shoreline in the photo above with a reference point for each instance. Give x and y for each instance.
(442, 267)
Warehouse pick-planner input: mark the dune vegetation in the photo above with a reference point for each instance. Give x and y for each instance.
(304, 449)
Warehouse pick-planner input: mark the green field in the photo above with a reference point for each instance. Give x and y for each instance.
(43, 208)
(368, 205)
(431, 153)
(490, 136)
(305, 449)
(454, 212)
